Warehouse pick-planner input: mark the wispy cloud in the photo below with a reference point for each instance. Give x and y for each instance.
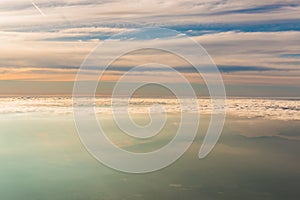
(136, 12)
(250, 41)
(261, 8)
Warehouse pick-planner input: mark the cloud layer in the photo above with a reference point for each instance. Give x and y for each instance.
(251, 42)
(279, 109)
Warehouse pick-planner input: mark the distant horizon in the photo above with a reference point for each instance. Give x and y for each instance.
(149, 97)
(65, 88)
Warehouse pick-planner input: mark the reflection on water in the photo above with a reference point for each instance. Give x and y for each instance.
(42, 158)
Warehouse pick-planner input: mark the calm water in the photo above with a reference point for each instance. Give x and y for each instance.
(42, 158)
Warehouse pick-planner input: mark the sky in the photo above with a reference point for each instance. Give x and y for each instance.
(255, 44)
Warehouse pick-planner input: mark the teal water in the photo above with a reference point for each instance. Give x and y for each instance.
(42, 158)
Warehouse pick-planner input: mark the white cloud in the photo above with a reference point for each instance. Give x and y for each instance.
(117, 12)
(31, 40)
(244, 108)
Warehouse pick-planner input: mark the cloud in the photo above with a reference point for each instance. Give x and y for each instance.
(260, 9)
(279, 109)
(251, 41)
(228, 69)
(117, 13)
(187, 69)
(198, 29)
(291, 55)
(242, 57)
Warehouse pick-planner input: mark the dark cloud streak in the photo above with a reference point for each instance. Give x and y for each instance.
(258, 9)
(184, 69)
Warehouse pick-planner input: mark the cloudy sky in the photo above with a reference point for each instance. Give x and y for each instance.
(255, 44)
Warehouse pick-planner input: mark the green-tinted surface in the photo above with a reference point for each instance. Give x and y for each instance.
(43, 158)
